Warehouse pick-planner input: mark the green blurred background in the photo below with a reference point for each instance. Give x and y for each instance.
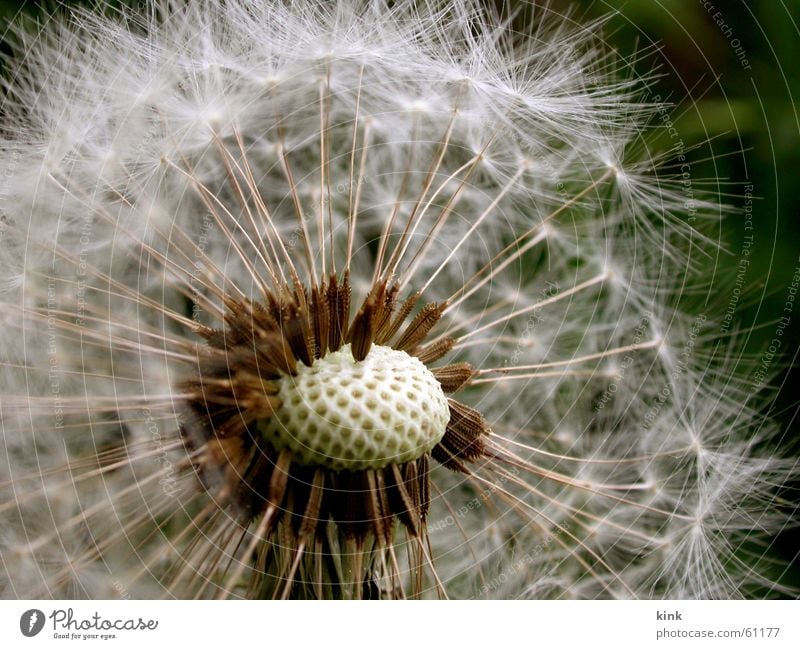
(730, 67)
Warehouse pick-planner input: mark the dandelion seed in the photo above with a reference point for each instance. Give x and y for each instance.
(345, 301)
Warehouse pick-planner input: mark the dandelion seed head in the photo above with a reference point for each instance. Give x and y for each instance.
(222, 217)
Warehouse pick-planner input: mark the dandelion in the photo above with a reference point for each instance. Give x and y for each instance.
(357, 300)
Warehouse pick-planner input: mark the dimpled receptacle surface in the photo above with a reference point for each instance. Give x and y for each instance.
(348, 415)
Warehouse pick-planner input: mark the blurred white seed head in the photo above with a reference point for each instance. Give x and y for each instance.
(162, 166)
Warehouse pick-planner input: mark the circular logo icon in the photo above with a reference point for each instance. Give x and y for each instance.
(31, 622)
